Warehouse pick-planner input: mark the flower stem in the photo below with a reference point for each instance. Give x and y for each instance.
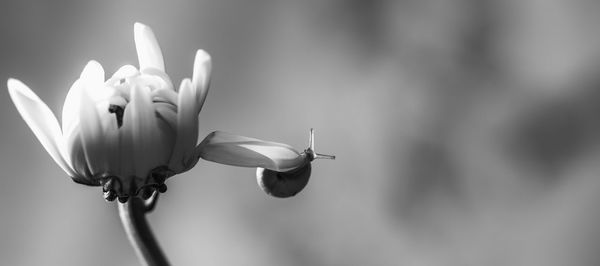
(132, 214)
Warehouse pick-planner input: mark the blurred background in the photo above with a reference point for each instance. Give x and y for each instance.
(466, 131)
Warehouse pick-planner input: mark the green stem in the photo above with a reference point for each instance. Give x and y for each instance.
(132, 214)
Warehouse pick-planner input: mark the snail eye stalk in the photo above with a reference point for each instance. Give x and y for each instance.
(285, 184)
(310, 151)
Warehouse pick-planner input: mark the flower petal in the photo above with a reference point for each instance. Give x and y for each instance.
(92, 73)
(201, 76)
(149, 149)
(92, 137)
(42, 122)
(166, 80)
(226, 148)
(187, 127)
(152, 81)
(123, 72)
(165, 95)
(92, 78)
(148, 50)
(70, 111)
(78, 161)
(112, 143)
(168, 113)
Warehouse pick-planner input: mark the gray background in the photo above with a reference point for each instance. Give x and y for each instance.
(466, 131)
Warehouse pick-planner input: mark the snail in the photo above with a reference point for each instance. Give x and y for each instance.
(289, 183)
(281, 170)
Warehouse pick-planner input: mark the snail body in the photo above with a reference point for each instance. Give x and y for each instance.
(281, 170)
(285, 184)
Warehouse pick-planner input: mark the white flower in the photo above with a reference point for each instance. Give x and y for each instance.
(131, 132)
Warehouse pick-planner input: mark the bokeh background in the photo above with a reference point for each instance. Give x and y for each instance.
(466, 131)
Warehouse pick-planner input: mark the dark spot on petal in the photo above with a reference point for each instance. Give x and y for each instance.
(118, 111)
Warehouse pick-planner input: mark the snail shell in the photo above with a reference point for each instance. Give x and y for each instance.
(283, 184)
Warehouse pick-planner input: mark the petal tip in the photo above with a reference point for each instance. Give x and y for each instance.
(41, 121)
(93, 70)
(16, 86)
(138, 26)
(12, 85)
(185, 90)
(202, 64)
(93, 63)
(148, 50)
(202, 71)
(11, 81)
(202, 56)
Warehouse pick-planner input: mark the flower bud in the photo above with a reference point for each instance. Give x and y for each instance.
(128, 133)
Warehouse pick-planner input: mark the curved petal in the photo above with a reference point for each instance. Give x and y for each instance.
(92, 137)
(99, 135)
(187, 127)
(70, 111)
(168, 113)
(123, 72)
(78, 161)
(154, 82)
(166, 80)
(92, 73)
(230, 149)
(149, 149)
(92, 78)
(165, 95)
(111, 132)
(42, 122)
(201, 77)
(148, 50)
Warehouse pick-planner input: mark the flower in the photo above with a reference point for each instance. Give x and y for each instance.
(128, 132)
(131, 132)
